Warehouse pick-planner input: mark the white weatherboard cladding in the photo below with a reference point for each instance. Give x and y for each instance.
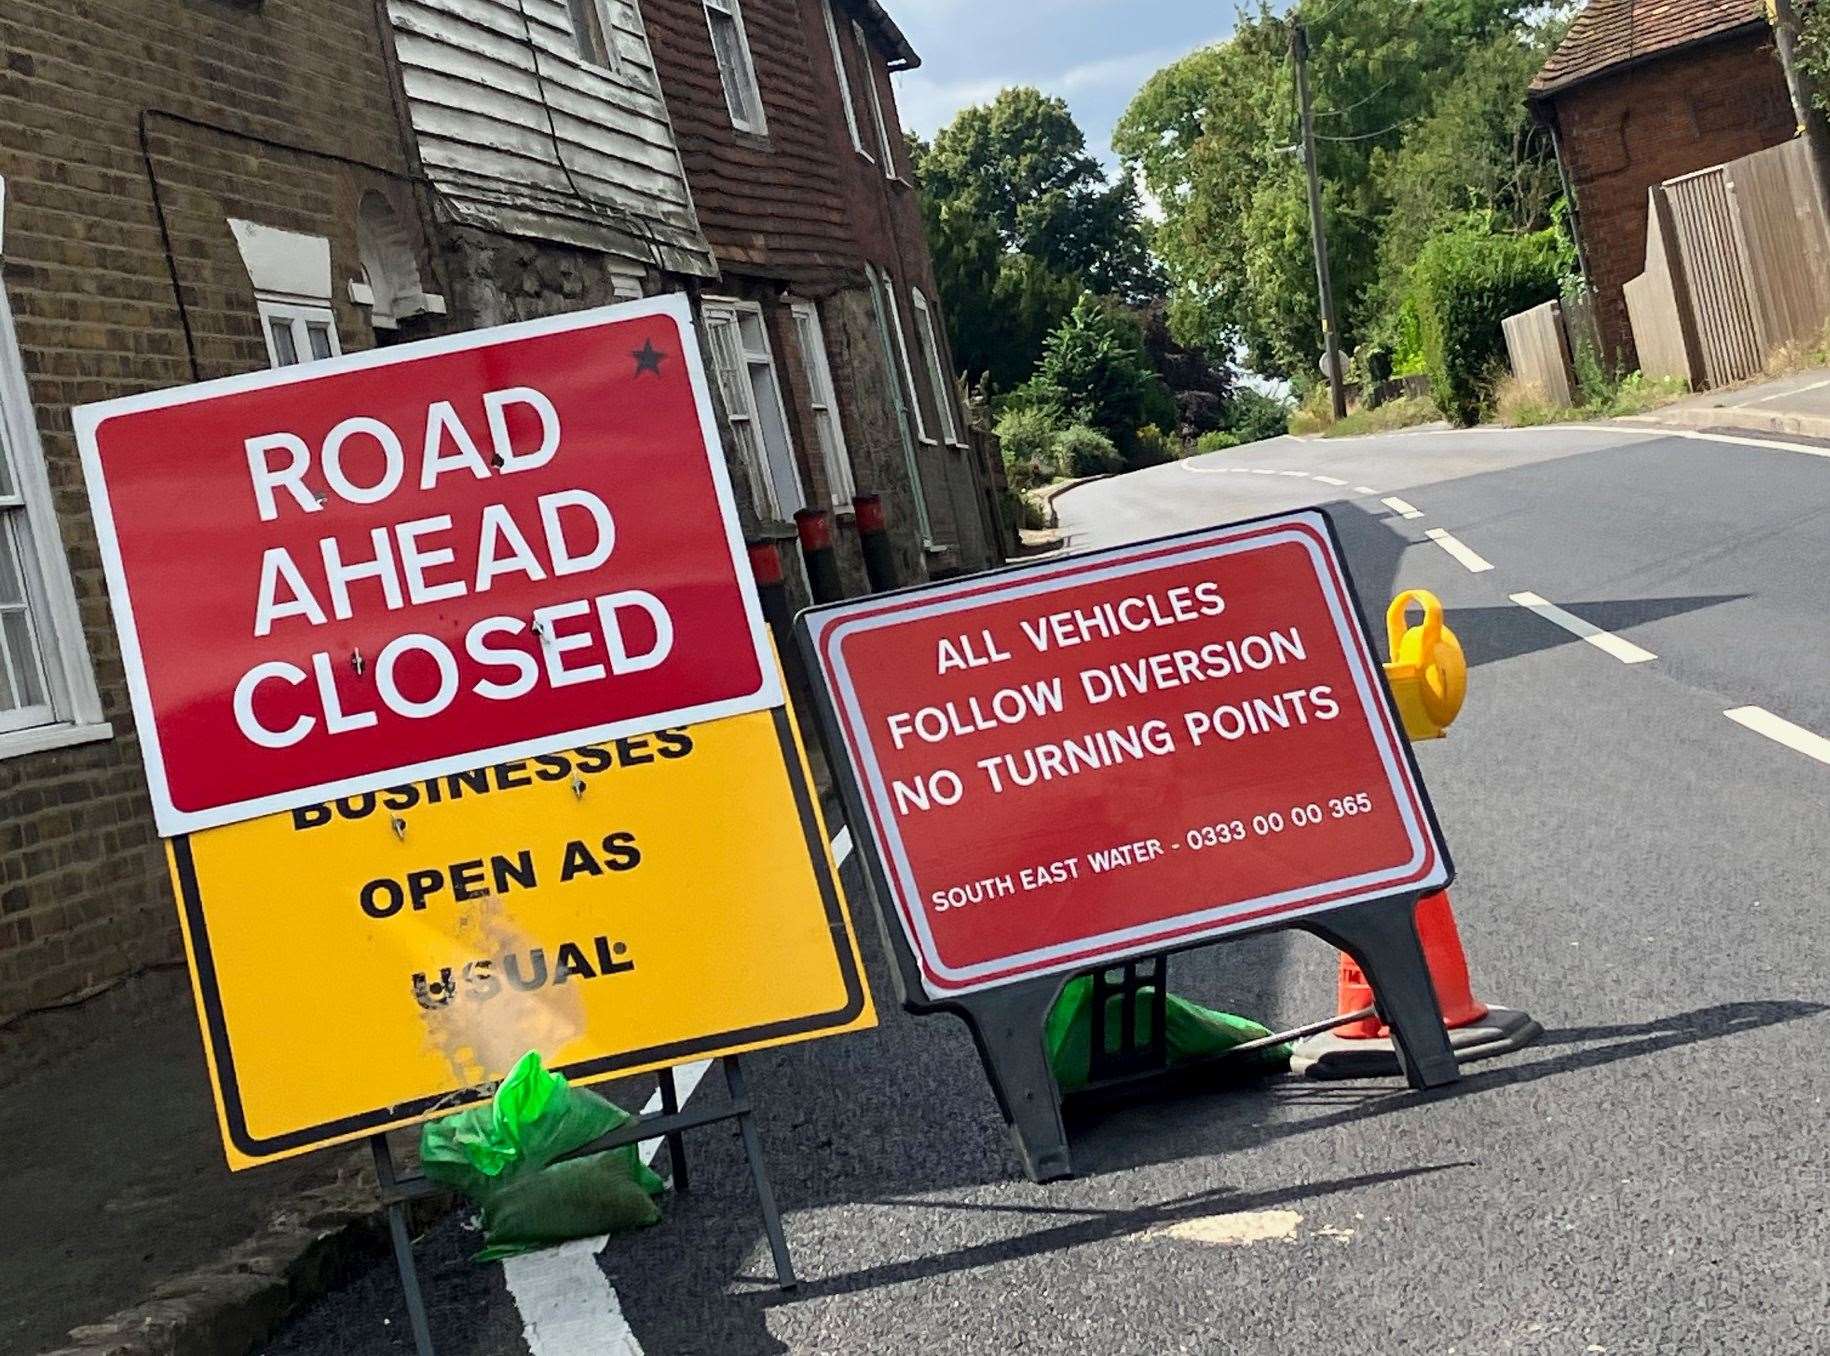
(480, 117)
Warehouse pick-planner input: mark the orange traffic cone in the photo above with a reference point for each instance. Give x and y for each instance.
(1363, 1049)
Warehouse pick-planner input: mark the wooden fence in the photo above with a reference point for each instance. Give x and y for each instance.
(1539, 350)
(1737, 265)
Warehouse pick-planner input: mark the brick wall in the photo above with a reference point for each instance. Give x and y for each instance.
(1624, 133)
(83, 894)
(802, 210)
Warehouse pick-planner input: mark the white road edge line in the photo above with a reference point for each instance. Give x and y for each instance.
(1400, 506)
(1475, 563)
(1740, 441)
(567, 1304)
(1328, 480)
(1779, 395)
(1605, 641)
(1780, 730)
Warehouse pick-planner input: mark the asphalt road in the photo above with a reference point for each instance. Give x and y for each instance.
(1642, 873)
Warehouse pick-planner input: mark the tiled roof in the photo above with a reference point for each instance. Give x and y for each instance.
(1610, 33)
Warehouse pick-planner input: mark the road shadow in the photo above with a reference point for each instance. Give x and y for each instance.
(1275, 1111)
(1085, 1224)
(1492, 635)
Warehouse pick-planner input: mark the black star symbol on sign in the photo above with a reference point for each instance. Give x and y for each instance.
(648, 358)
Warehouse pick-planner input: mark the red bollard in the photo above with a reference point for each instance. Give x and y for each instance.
(772, 589)
(815, 527)
(874, 541)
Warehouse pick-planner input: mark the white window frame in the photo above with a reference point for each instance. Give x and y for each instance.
(929, 342)
(594, 34)
(845, 95)
(881, 289)
(299, 318)
(908, 369)
(740, 400)
(72, 711)
(840, 481)
(733, 10)
(870, 83)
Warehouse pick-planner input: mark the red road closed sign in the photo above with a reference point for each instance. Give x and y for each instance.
(341, 576)
(1124, 752)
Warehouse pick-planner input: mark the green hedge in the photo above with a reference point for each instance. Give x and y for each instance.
(1464, 283)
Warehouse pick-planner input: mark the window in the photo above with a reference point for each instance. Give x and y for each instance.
(883, 303)
(825, 407)
(595, 33)
(745, 370)
(845, 96)
(937, 370)
(47, 688)
(298, 334)
(732, 48)
(876, 99)
(291, 277)
(902, 353)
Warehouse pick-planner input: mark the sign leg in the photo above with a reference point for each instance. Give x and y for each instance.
(1382, 937)
(403, 1246)
(752, 1150)
(676, 1142)
(1007, 1027)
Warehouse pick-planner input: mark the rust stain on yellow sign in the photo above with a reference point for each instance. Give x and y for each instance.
(623, 907)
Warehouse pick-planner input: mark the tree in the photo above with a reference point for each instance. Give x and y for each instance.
(1094, 371)
(1476, 150)
(1210, 136)
(1020, 164)
(1000, 307)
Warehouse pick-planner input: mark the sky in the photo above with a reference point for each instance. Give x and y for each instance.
(1093, 53)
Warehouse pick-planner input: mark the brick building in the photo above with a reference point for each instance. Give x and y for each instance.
(1641, 91)
(190, 191)
(200, 188)
(825, 332)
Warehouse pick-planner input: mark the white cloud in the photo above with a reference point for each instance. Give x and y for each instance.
(928, 104)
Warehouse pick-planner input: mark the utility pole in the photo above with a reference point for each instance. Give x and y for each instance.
(1324, 282)
(1811, 124)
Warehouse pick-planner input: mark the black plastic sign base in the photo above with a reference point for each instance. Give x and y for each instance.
(1007, 1027)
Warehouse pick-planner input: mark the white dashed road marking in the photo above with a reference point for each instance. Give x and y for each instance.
(1364, 489)
(1329, 480)
(1397, 505)
(1454, 547)
(567, 1305)
(1794, 737)
(1608, 643)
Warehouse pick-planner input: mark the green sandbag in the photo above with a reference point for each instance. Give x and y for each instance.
(1190, 1032)
(580, 1198)
(501, 1157)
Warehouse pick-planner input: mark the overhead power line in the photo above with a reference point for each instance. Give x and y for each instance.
(1368, 136)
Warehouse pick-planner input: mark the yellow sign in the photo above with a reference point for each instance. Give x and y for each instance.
(623, 907)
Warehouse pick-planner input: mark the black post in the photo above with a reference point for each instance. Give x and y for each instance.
(874, 541)
(752, 1149)
(815, 528)
(403, 1244)
(676, 1142)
